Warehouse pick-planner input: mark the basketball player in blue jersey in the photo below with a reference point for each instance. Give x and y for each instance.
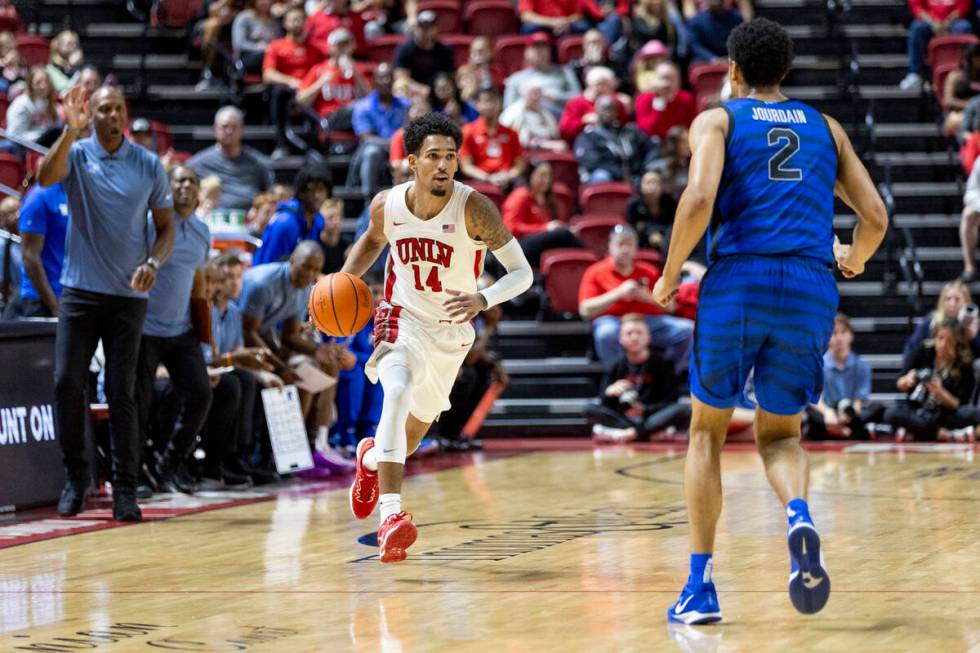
(768, 168)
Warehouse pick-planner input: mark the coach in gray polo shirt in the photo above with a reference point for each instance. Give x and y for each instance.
(111, 262)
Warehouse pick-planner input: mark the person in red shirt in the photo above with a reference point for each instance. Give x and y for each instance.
(531, 214)
(490, 151)
(618, 285)
(580, 110)
(330, 87)
(667, 105)
(336, 14)
(287, 61)
(557, 17)
(932, 18)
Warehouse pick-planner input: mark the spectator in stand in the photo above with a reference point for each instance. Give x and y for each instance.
(178, 319)
(658, 20)
(244, 172)
(667, 105)
(376, 118)
(640, 390)
(296, 220)
(110, 184)
(535, 126)
(555, 17)
(479, 71)
(650, 211)
(43, 226)
(709, 31)
(263, 208)
(960, 86)
(618, 285)
(953, 304)
(251, 33)
(692, 7)
(610, 151)
(13, 71)
(397, 156)
(595, 50)
(445, 98)
(932, 18)
(214, 29)
(332, 240)
(336, 14)
(331, 87)
(939, 381)
(287, 62)
(558, 82)
(606, 16)
(11, 263)
(209, 197)
(422, 56)
(580, 110)
(530, 213)
(65, 62)
(33, 112)
(89, 79)
(675, 160)
(644, 65)
(490, 151)
(141, 133)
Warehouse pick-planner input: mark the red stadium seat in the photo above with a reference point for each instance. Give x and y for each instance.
(706, 80)
(176, 13)
(508, 51)
(570, 48)
(460, 44)
(564, 165)
(489, 190)
(563, 270)
(448, 16)
(34, 50)
(948, 49)
(651, 256)
(593, 230)
(11, 170)
(564, 199)
(382, 49)
(491, 18)
(605, 198)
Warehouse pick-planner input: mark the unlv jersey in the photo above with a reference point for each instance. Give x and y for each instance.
(428, 257)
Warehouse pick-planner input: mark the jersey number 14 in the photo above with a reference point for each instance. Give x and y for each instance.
(432, 280)
(777, 162)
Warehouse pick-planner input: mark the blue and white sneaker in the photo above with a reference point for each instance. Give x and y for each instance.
(809, 582)
(700, 607)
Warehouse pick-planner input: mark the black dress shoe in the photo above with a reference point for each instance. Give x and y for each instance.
(124, 506)
(233, 479)
(175, 480)
(260, 474)
(72, 498)
(144, 491)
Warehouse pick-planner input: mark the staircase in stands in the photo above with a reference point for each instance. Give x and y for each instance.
(552, 375)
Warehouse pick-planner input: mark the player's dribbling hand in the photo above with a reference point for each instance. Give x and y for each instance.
(665, 290)
(76, 109)
(841, 254)
(463, 307)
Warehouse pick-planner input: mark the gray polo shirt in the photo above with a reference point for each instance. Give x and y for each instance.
(108, 197)
(242, 178)
(268, 295)
(168, 313)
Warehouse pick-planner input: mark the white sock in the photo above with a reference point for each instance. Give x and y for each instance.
(322, 441)
(391, 504)
(370, 459)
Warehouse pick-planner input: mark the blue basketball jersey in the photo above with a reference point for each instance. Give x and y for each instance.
(776, 195)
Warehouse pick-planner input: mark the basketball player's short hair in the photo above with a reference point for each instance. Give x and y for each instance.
(431, 124)
(762, 50)
(843, 322)
(309, 176)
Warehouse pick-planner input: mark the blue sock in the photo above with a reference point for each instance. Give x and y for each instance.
(797, 511)
(700, 570)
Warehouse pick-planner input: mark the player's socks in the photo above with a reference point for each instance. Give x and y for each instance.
(698, 602)
(809, 582)
(390, 504)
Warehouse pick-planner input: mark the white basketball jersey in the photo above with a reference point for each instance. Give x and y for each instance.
(428, 257)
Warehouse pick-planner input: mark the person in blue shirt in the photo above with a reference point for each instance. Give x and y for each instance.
(43, 225)
(111, 263)
(295, 220)
(709, 30)
(177, 320)
(376, 118)
(768, 168)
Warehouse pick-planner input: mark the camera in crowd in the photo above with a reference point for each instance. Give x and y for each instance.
(629, 397)
(968, 315)
(920, 394)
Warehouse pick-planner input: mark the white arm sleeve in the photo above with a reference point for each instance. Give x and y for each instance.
(518, 277)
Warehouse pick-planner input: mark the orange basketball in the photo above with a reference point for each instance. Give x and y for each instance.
(340, 304)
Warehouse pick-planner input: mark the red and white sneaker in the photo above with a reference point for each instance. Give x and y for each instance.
(364, 490)
(396, 534)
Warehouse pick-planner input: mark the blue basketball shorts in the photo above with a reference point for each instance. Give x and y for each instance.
(773, 315)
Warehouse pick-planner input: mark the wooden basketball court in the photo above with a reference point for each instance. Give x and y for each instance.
(524, 551)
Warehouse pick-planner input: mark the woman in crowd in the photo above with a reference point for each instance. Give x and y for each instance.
(531, 214)
(651, 210)
(13, 72)
(251, 33)
(446, 99)
(66, 61)
(952, 305)
(961, 85)
(32, 112)
(658, 20)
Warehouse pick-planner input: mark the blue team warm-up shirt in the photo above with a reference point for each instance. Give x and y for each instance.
(45, 212)
(768, 300)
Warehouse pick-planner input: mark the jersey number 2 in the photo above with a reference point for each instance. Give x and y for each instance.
(777, 161)
(432, 281)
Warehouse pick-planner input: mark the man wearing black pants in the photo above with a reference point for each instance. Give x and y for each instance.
(110, 265)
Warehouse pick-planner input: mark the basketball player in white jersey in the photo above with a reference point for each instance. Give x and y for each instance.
(439, 231)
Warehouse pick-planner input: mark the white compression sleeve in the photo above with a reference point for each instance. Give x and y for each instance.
(518, 278)
(390, 439)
